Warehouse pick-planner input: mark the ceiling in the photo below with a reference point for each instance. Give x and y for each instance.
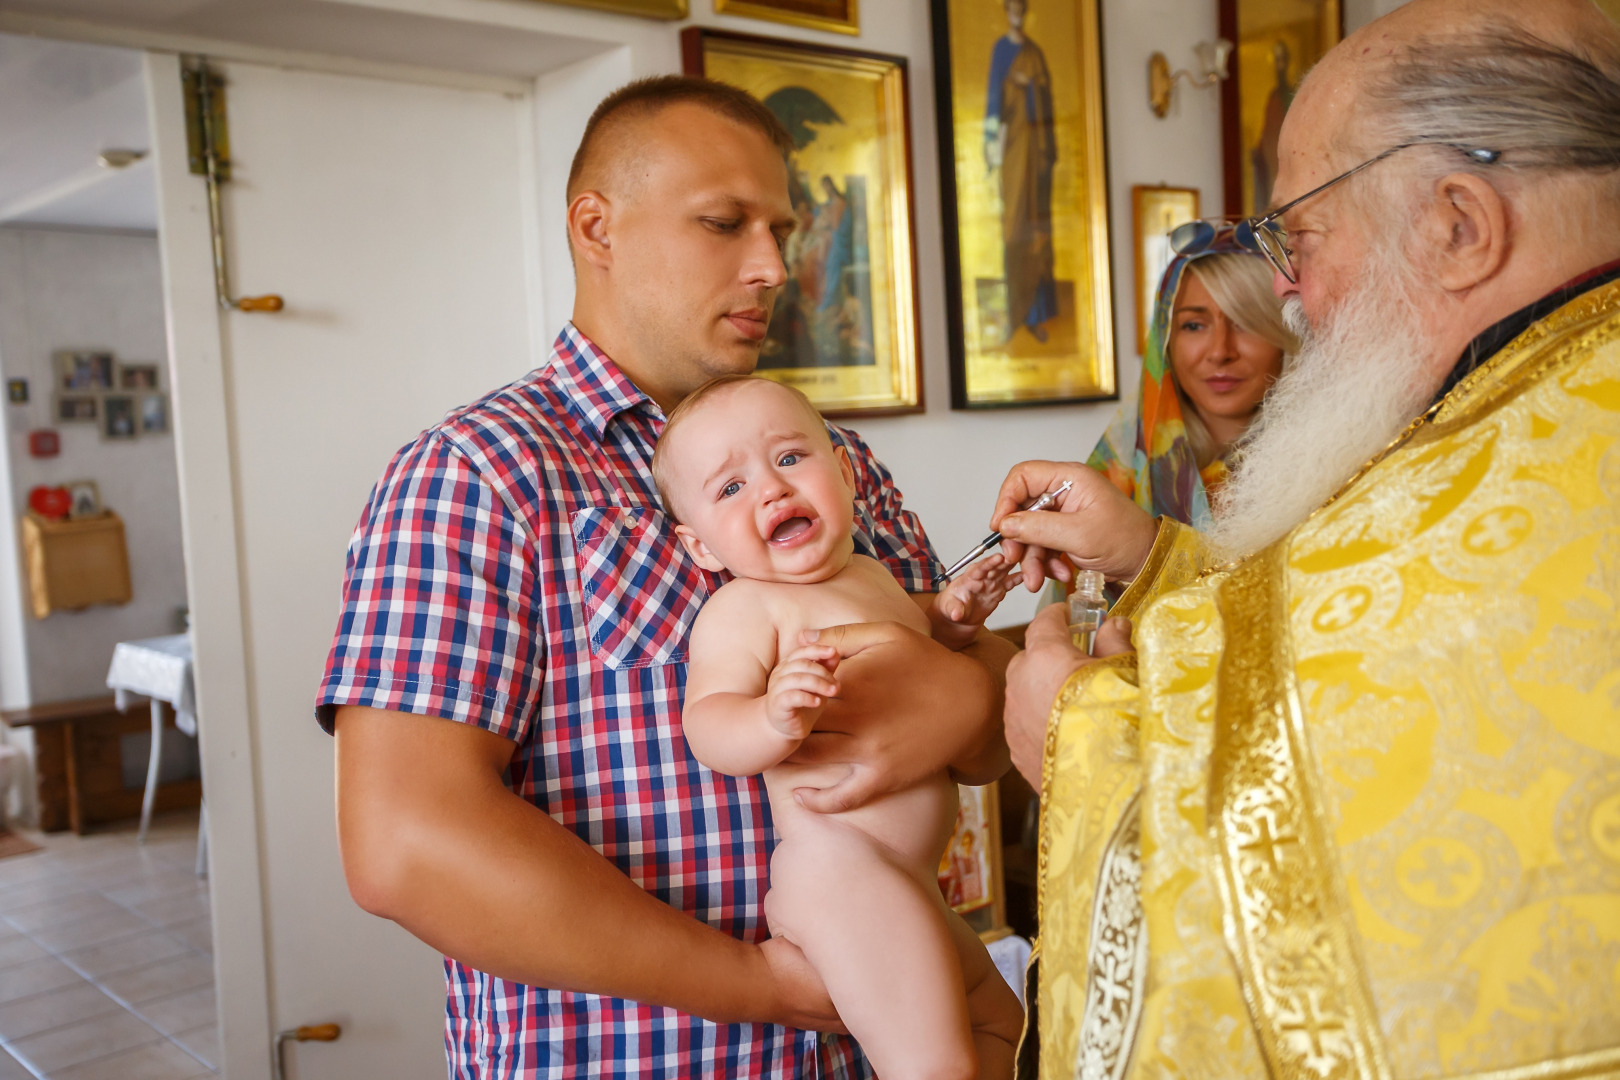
(64, 102)
(61, 105)
(513, 39)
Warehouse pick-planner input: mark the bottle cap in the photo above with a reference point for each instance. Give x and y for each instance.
(1089, 584)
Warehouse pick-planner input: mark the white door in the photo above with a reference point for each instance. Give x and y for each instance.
(396, 220)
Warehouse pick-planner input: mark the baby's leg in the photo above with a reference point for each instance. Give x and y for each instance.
(881, 945)
(993, 1007)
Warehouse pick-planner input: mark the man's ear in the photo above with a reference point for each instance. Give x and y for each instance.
(1470, 231)
(588, 218)
(698, 550)
(845, 467)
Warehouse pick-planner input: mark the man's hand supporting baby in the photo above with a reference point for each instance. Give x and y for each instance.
(909, 708)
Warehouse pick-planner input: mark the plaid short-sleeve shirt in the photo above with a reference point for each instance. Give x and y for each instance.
(513, 570)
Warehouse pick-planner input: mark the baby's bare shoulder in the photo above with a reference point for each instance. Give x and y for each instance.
(739, 602)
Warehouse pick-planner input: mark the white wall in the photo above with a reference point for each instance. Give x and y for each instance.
(1358, 13)
(81, 290)
(949, 464)
(85, 290)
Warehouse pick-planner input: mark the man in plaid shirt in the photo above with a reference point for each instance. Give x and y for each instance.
(505, 684)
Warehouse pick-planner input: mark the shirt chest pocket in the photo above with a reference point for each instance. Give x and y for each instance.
(642, 591)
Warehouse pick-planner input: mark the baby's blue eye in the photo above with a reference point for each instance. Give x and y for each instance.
(730, 489)
(788, 459)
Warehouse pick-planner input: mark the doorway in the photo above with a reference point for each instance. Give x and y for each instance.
(106, 943)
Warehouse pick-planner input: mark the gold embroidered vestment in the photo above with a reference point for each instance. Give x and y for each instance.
(1353, 808)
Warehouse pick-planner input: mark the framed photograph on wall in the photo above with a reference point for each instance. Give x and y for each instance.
(1155, 211)
(138, 376)
(118, 417)
(839, 16)
(1277, 43)
(83, 372)
(77, 408)
(1024, 191)
(844, 330)
(154, 414)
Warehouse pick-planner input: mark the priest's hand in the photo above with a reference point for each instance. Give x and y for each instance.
(1093, 524)
(1037, 674)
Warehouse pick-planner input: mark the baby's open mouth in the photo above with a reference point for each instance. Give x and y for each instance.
(792, 527)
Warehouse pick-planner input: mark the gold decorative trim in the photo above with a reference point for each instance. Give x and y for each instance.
(1174, 546)
(1288, 919)
(1520, 362)
(647, 9)
(848, 23)
(1116, 967)
(1079, 807)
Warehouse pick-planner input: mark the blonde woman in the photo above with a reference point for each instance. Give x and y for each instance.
(1216, 344)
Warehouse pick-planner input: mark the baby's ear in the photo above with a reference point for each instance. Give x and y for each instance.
(845, 467)
(698, 549)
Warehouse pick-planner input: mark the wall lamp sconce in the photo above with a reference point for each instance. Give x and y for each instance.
(1212, 64)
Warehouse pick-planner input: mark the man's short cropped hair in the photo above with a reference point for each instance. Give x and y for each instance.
(688, 405)
(645, 97)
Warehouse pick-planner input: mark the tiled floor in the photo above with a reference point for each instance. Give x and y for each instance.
(105, 964)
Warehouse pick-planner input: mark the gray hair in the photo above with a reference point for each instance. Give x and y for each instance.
(1541, 105)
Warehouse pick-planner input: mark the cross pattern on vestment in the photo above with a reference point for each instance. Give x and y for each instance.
(1342, 609)
(1496, 531)
(1312, 1025)
(1267, 843)
(1113, 984)
(1439, 872)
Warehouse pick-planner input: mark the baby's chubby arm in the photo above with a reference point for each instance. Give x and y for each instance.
(957, 611)
(746, 710)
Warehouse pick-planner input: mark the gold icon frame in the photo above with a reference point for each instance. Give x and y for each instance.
(869, 142)
(997, 359)
(838, 16)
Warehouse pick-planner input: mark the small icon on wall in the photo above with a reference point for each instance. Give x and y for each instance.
(17, 391)
(44, 443)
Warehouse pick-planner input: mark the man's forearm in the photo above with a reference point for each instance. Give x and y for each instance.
(984, 757)
(439, 845)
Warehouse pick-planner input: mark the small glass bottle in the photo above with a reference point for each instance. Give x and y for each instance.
(1087, 608)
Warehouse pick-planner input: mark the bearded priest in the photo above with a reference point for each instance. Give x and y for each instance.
(1345, 801)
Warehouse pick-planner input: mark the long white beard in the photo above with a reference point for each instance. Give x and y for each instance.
(1355, 383)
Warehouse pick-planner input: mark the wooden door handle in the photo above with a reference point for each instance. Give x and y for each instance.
(261, 303)
(307, 1033)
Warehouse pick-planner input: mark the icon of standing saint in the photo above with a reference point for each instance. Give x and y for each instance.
(1020, 144)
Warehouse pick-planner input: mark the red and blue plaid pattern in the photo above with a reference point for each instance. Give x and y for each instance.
(514, 570)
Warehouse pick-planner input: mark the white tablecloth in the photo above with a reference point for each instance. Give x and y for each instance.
(158, 668)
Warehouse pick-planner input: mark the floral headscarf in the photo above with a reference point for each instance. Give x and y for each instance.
(1145, 451)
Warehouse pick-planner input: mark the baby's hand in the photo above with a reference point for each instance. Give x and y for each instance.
(973, 594)
(799, 685)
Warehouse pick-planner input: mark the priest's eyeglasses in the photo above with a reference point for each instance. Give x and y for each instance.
(1265, 236)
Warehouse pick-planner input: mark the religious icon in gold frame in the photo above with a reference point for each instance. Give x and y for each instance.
(1155, 212)
(1278, 41)
(839, 16)
(970, 869)
(1025, 196)
(844, 329)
